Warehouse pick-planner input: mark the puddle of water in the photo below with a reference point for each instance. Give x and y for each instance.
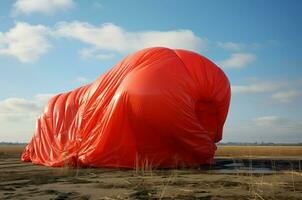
(234, 165)
(243, 170)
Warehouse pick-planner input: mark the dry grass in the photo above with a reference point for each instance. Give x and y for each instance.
(146, 183)
(222, 151)
(259, 151)
(5, 148)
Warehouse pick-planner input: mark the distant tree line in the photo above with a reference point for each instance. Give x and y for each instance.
(12, 143)
(258, 144)
(221, 143)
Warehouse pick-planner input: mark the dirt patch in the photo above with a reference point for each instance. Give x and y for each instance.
(229, 178)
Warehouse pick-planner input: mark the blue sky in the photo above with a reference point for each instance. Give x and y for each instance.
(47, 47)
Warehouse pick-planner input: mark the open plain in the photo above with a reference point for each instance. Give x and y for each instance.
(240, 172)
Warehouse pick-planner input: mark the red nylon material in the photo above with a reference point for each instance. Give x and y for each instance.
(158, 106)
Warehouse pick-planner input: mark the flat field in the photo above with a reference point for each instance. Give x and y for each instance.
(260, 151)
(240, 172)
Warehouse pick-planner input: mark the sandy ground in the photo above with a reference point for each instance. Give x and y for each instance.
(229, 178)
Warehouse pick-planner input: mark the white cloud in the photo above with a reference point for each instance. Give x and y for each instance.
(234, 46)
(25, 42)
(272, 92)
(41, 6)
(276, 124)
(18, 105)
(88, 53)
(110, 37)
(281, 91)
(259, 87)
(286, 96)
(22, 109)
(270, 121)
(18, 117)
(108, 56)
(268, 128)
(82, 80)
(43, 98)
(230, 45)
(237, 60)
(105, 41)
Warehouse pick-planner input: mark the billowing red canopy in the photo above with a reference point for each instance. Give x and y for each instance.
(158, 106)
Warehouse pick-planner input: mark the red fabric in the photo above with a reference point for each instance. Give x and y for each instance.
(158, 107)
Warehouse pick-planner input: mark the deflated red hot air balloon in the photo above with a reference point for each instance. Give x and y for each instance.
(165, 107)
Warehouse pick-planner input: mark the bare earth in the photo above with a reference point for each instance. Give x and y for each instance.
(239, 177)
